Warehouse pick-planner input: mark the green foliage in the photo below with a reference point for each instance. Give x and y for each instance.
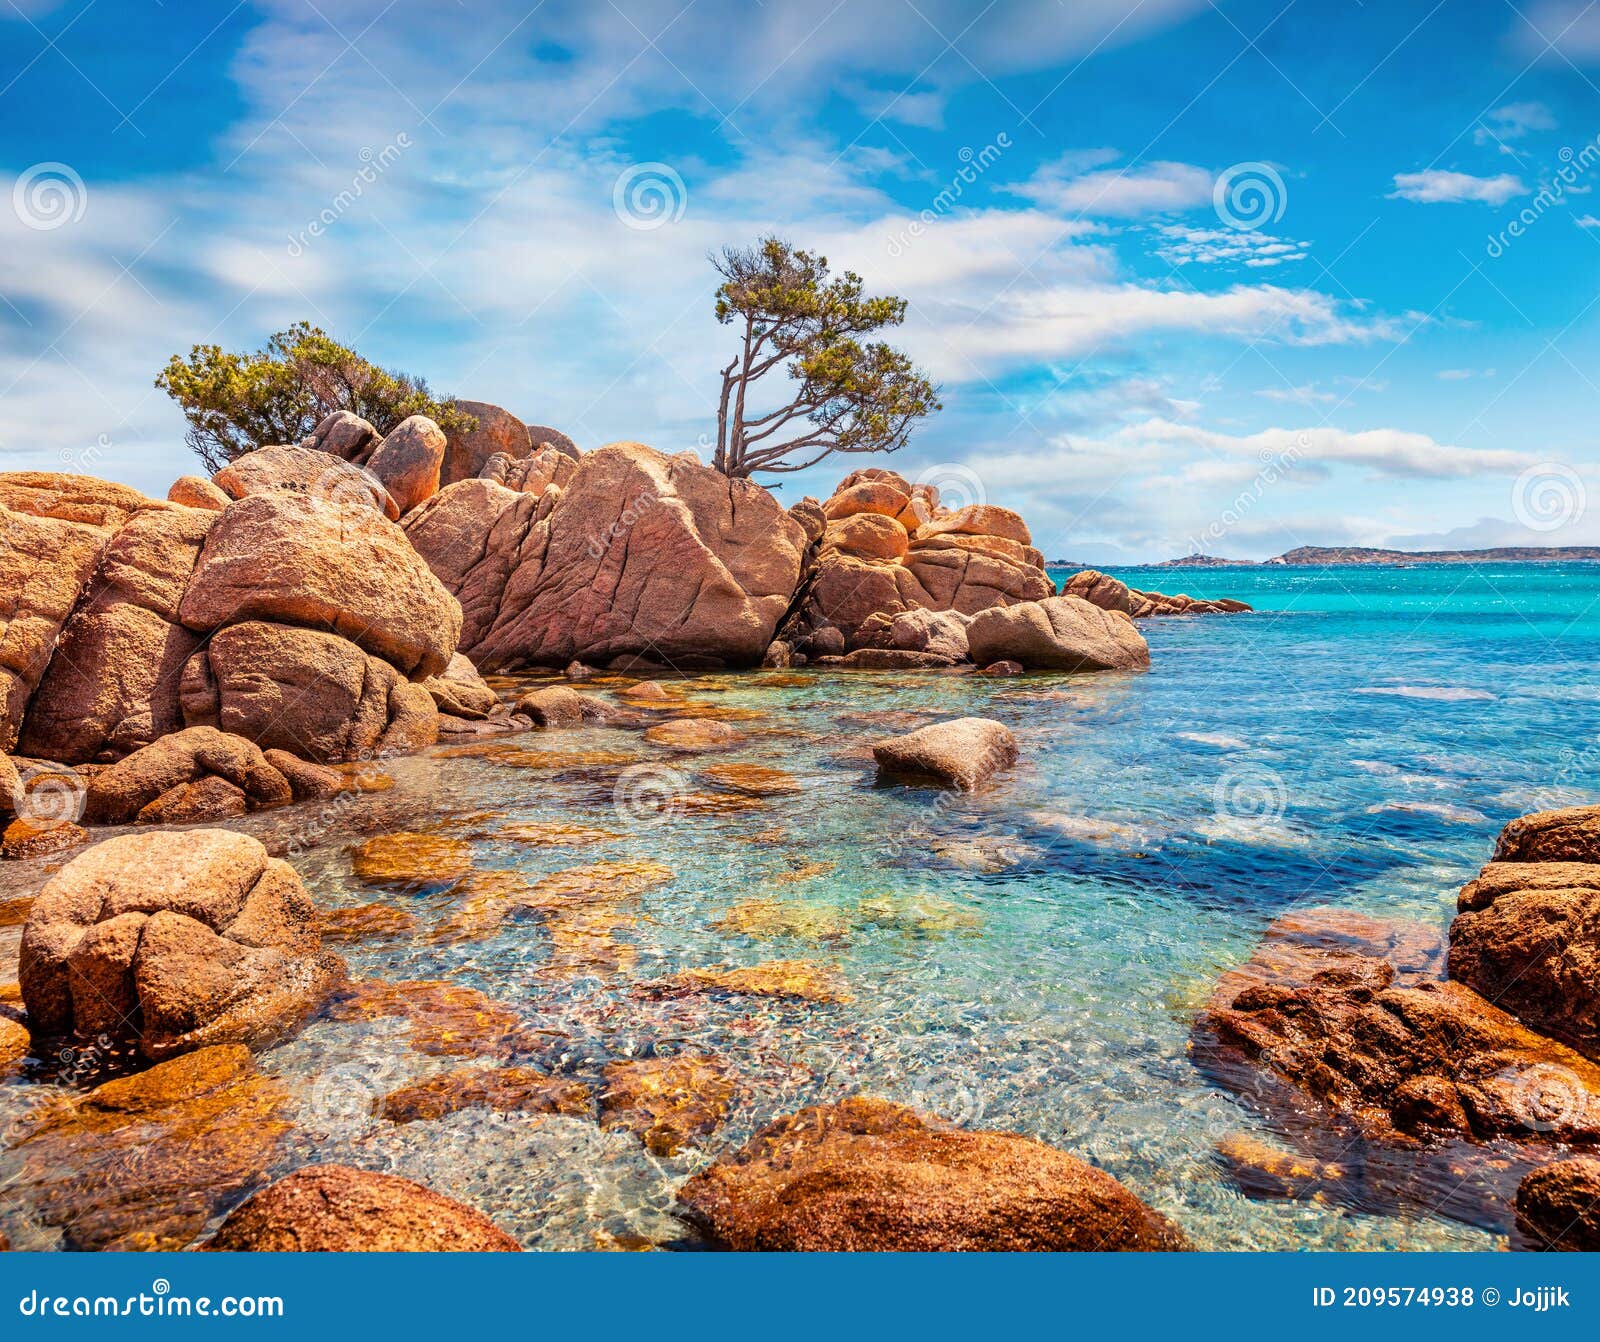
(851, 396)
(236, 403)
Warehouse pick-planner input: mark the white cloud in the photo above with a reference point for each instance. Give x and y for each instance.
(1435, 186)
(1298, 395)
(1512, 122)
(1148, 188)
(1464, 374)
(1556, 30)
(1223, 246)
(1588, 221)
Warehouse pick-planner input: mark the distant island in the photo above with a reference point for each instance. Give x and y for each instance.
(1320, 555)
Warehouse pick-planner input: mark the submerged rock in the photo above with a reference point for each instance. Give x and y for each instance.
(143, 1162)
(411, 859)
(446, 1019)
(178, 941)
(337, 1209)
(866, 1175)
(694, 735)
(671, 1102)
(505, 1089)
(964, 753)
(797, 980)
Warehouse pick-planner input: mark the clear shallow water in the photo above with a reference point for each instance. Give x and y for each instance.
(1028, 958)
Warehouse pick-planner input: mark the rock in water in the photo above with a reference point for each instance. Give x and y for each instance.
(1058, 634)
(337, 1209)
(866, 1175)
(179, 941)
(1528, 934)
(962, 754)
(1558, 1205)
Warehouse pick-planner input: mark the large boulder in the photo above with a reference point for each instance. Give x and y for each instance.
(963, 753)
(112, 685)
(408, 461)
(1528, 932)
(641, 555)
(338, 1209)
(195, 491)
(313, 694)
(496, 432)
(1058, 634)
(868, 1175)
(177, 941)
(301, 561)
(307, 471)
(346, 435)
(51, 540)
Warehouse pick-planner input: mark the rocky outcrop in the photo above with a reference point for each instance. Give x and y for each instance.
(1099, 589)
(641, 555)
(308, 472)
(337, 1209)
(887, 547)
(1527, 935)
(1558, 1206)
(195, 491)
(298, 620)
(866, 1175)
(1061, 633)
(962, 754)
(177, 942)
(345, 435)
(1352, 1011)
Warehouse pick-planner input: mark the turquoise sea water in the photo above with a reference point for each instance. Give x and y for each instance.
(1027, 958)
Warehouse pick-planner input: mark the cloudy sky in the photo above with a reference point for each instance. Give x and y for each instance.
(1232, 276)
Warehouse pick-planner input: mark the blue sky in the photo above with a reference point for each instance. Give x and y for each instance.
(1229, 276)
